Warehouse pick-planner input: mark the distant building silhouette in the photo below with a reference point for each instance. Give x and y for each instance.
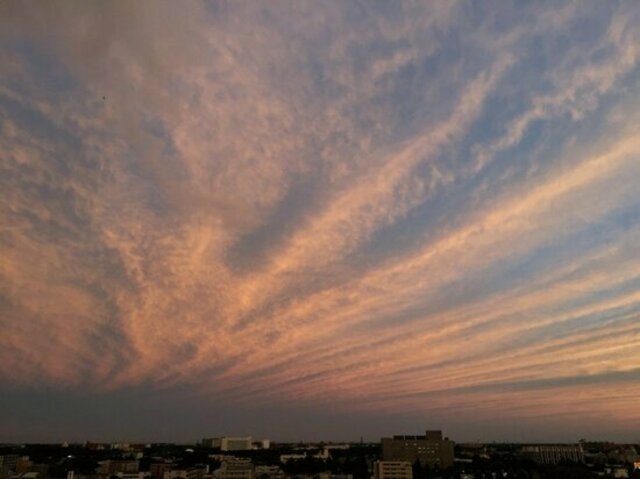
(230, 443)
(430, 449)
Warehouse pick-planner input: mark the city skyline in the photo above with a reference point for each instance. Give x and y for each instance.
(319, 220)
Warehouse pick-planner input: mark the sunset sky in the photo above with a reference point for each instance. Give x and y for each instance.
(319, 220)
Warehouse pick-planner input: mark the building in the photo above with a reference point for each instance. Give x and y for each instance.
(41, 469)
(269, 472)
(123, 446)
(554, 453)
(472, 449)
(23, 465)
(392, 470)
(158, 469)
(284, 458)
(623, 455)
(322, 455)
(8, 463)
(430, 449)
(212, 442)
(337, 447)
(175, 474)
(132, 475)
(236, 443)
(229, 443)
(114, 466)
(238, 469)
(620, 472)
(197, 472)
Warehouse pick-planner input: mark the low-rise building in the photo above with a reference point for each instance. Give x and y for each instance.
(132, 475)
(8, 463)
(236, 443)
(392, 470)
(157, 469)
(244, 443)
(554, 453)
(269, 472)
(113, 466)
(322, 455)
(431, 449)
(237, 469)
(25, 475)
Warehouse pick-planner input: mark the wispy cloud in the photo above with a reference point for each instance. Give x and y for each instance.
(419, 209)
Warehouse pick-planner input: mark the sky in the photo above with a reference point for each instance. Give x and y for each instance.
(309, 220)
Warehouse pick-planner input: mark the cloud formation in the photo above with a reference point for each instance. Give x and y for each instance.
(428, 209)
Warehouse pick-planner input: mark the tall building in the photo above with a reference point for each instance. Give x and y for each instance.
(430, 449)
(392, 470)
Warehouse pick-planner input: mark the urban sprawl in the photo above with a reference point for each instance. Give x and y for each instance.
(425, 456)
